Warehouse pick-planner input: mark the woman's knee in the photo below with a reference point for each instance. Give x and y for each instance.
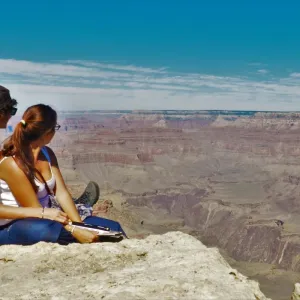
(102, 222)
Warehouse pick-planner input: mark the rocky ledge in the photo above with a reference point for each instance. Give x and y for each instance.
(170, 266)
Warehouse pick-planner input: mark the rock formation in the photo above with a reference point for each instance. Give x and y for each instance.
(229, 178)
(169, 266)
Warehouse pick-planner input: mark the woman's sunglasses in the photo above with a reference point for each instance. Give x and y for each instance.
(13, 111)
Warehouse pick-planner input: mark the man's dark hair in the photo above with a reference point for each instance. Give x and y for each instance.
(6, 102)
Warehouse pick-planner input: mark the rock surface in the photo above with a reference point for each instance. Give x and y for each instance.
(170, 266)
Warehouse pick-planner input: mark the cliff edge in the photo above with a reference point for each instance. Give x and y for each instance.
(170, 266)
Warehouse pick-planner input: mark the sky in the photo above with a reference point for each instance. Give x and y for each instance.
(136, 54)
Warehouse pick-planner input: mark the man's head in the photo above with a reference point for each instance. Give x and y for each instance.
(7, 106)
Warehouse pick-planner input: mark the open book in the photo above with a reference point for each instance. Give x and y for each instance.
(101, 231)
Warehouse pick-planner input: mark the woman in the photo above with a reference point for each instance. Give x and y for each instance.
(7, 110)
(27, 165)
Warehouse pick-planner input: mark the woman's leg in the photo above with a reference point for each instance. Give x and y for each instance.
(30, 231)
(113, 225)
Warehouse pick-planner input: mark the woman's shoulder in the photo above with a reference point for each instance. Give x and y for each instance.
(8, 166)
(7, 161)
(51, 154)
(49, 150)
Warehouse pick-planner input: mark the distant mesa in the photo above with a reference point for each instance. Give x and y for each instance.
(160, 124)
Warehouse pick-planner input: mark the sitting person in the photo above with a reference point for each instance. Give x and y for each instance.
(28, 165)
(90, 196)
(7, 110)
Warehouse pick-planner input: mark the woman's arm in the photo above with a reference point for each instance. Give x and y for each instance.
(61, 192)
(25, 196)
(18, 184)
(10, 212)
(65, 200)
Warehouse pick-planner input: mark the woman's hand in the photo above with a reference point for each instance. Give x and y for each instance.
(85, 236)
(55, 215)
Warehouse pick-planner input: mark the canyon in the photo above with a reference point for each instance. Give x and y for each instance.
(229, 178)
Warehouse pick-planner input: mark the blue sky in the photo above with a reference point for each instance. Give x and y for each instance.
(164, 54)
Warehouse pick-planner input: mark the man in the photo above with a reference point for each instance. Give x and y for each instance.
(8, 108)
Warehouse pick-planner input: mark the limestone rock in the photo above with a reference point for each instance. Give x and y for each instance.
(170, 266)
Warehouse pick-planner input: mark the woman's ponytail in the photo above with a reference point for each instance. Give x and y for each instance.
(37, 120)
(18, 146)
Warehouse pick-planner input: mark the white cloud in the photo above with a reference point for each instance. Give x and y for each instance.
(263, 71)
(295, 75)
(116, 67)
(83, 85)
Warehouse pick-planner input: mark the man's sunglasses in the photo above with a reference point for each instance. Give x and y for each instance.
(56, 127)
(13, 111)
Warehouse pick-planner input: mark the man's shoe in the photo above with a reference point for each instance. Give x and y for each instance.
(90, 195)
